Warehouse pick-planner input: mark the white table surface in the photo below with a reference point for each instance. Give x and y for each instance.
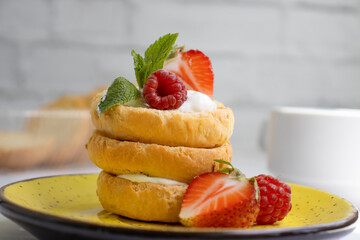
(251, 163)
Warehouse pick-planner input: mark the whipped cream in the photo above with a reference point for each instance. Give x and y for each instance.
(197, 102)
(101, 100)
(143, 178)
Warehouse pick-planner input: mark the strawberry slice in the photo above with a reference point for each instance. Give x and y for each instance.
(219, 200)
(194, 68)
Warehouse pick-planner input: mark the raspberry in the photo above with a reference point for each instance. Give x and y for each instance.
(275, 199)
(164, 90)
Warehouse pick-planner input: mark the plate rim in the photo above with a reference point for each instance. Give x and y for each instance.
(17, 212)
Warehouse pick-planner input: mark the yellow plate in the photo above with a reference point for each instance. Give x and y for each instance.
(68, 207)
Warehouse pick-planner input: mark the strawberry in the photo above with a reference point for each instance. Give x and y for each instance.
(217, 199)
(194, 68)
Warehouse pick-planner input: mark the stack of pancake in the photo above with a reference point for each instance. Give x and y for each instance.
(168, 148)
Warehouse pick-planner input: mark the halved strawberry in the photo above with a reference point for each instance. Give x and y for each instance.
(194, 68)
(220, 200)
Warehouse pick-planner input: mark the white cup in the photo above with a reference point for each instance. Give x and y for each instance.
(316, 147)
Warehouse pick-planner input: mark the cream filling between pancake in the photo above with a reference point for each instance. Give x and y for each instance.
(143, 178)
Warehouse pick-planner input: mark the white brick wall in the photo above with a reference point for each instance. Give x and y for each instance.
(24, 20)
(72, 69)
(323, 33)
(8, 69)
(209, 25)
(264, 52)
(92, 21)
(58, 69)
(307, 82)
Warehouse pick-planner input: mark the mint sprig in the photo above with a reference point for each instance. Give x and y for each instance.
(154, 57)
(138, 65)
(121, 91)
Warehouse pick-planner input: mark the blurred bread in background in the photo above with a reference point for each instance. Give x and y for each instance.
(69, 129)
(74, 101)
(53, 135)
(21, 149)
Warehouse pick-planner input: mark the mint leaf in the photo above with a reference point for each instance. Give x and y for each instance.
(160, 50)
(144, 74)
(154, 59)
(138, 65)
(121, 91)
